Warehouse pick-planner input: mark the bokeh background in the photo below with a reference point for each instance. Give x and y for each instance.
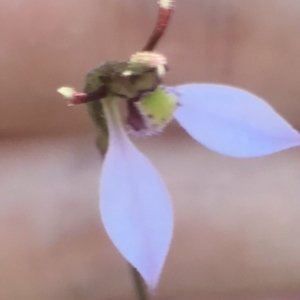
(237, 233)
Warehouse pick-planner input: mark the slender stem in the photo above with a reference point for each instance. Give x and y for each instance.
(163, 19)
(140, 287)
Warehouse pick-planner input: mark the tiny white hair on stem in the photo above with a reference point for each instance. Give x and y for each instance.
(166, 4)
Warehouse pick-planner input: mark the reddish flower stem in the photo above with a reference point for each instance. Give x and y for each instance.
(164, 16)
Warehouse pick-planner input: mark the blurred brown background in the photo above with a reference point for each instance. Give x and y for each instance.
(237, 221)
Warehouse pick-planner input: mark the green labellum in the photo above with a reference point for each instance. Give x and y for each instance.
(157, 109)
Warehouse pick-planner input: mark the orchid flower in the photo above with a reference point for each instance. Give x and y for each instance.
(134, 202)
